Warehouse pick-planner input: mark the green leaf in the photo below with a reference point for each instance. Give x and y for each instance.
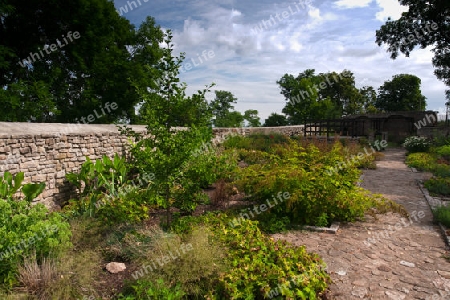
(32, 190)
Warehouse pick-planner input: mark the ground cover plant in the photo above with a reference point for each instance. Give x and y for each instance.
(442, 215)
(320, 178)
(437, 161)
(416, 144)
(25, 229)
(219, 255)
(253, 264)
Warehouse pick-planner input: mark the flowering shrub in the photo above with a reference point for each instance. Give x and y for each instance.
(416, 144)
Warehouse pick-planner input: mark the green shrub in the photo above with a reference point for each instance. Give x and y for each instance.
(442, 215)
(260, 142)
(319, 190)
(444, 151)
(421, 161)
(438, 185)
(252, 157)
(94, 180)
(146, 289)
(27, 229)
(130, 204)
(209, 165)
(416, 144)
(440, 139)
(108, 191)
(256, 264)
(259, 265)
(197, 270)
(441, 170)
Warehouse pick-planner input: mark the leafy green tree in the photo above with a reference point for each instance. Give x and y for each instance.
(426, 23)
(231, 119)
(251, 115)
(341, 90)
(307, 99)
(77, 59)
(402, 93)
(369, 96)
(165, 151)
(275, 120)
(222, 110)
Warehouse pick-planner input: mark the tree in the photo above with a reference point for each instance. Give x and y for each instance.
(369, 96)
(275, 120)
(231, 119)
(251, 115)
(341, 90)
(402, 93)
(322, 96)
(222, 109)
(76, 60)
(166, 151)
(426, 23)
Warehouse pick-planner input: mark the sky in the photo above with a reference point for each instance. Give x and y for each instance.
(246, 46)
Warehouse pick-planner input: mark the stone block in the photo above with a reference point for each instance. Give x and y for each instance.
(39, 178)
(25, 150)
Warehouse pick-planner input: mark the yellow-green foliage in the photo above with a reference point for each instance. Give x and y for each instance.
(321, 183)
(196, 268)
(259, 264)
(422, 161)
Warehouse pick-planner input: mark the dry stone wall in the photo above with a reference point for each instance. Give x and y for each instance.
(47, 152)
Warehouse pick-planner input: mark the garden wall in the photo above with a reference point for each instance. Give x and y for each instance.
(46, 152)
(433, 132)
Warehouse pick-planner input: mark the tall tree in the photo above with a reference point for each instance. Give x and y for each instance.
(322, 96)
(223, 110)
(251, 115)
(426, 23)
(76, 60)
(166, 151)
(341, 89)
(402, 93)
(369, 96)
(275, 120)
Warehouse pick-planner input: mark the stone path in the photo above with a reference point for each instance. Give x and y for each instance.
(389, 258)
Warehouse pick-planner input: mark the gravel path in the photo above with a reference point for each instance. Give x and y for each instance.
(389, 258)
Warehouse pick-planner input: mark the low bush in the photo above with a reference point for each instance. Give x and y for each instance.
(441, 170)
(260, 142)
(416, 144)
(442, 215)
(428, 162)
(321, 186)
(438, 185)
(444, 151)
(260, 265)
(27, 229)
(422, 161)
(128, 243)
(192, 260)
(229, 262)
(440, 139)
(147, 289)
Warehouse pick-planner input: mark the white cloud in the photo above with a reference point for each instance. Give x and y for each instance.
(323, 36)
(390, 8)
(352, 3)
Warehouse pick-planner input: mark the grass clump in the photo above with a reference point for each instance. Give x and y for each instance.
(442, 215)
(438, 185)
(191, 260)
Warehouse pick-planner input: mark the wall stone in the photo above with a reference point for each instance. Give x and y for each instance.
(47, 152)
